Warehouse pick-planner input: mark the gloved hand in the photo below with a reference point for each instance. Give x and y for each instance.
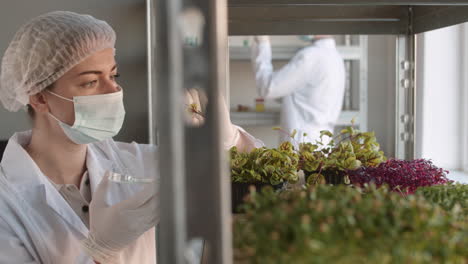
(119, 214)
(261, 39)
(196, 102)
(230, 132)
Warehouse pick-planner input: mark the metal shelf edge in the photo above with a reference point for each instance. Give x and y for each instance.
(286, 53)
(272, 118)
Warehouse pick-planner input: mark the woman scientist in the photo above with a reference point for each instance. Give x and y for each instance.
(57, 202)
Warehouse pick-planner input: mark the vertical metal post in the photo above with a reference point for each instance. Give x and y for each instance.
(150, 50)
(150, 46)
(208, 184)
(464, 99)
(227, 92)
(347, 102)
(169, 69)
(419, 113)
(405, 93)
(363, 84)
(347, 95)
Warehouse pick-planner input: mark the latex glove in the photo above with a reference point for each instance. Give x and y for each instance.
(196, 101)
(113, 227)
(230, 132)
(261, 39)
(232, 135)
(195, 105)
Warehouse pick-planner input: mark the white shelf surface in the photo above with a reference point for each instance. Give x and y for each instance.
(458, 176)
(271, 118)
(287, 52)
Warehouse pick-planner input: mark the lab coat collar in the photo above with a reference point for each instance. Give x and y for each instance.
(325, 43)
(18, 166)
(28, 180)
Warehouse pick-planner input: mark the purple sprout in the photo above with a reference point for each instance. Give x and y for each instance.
(401, 175)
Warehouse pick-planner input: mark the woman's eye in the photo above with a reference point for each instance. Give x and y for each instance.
(90, 84)
(115, 76)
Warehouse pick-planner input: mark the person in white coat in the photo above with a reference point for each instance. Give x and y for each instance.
(59, 201)
(310, 86)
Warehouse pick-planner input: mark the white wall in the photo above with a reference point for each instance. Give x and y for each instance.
(381, 92)
(127, 17)
(441, 76)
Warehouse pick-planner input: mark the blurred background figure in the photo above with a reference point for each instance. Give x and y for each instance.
(310, 86)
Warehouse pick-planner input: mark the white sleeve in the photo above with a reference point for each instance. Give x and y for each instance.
(12, 250)
(140, 158)
(273, 85)
(244, 141)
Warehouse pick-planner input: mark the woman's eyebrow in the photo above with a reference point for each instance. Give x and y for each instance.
(96, 72)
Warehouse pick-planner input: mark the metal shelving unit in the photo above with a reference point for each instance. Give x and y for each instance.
(350, 53)
(200, 208)
(403, 19)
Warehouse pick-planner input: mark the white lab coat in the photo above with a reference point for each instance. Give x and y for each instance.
(311, 87)
(36, 223)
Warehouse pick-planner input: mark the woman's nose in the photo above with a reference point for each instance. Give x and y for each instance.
(111, 86)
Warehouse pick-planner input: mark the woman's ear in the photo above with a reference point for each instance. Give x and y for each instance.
(39, 103)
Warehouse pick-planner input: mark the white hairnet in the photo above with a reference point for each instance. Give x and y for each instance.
(46, 48)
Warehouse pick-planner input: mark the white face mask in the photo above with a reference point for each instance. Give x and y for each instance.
(306, 38)
(97, 117)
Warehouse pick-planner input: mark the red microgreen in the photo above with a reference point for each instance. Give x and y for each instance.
(401, 175)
